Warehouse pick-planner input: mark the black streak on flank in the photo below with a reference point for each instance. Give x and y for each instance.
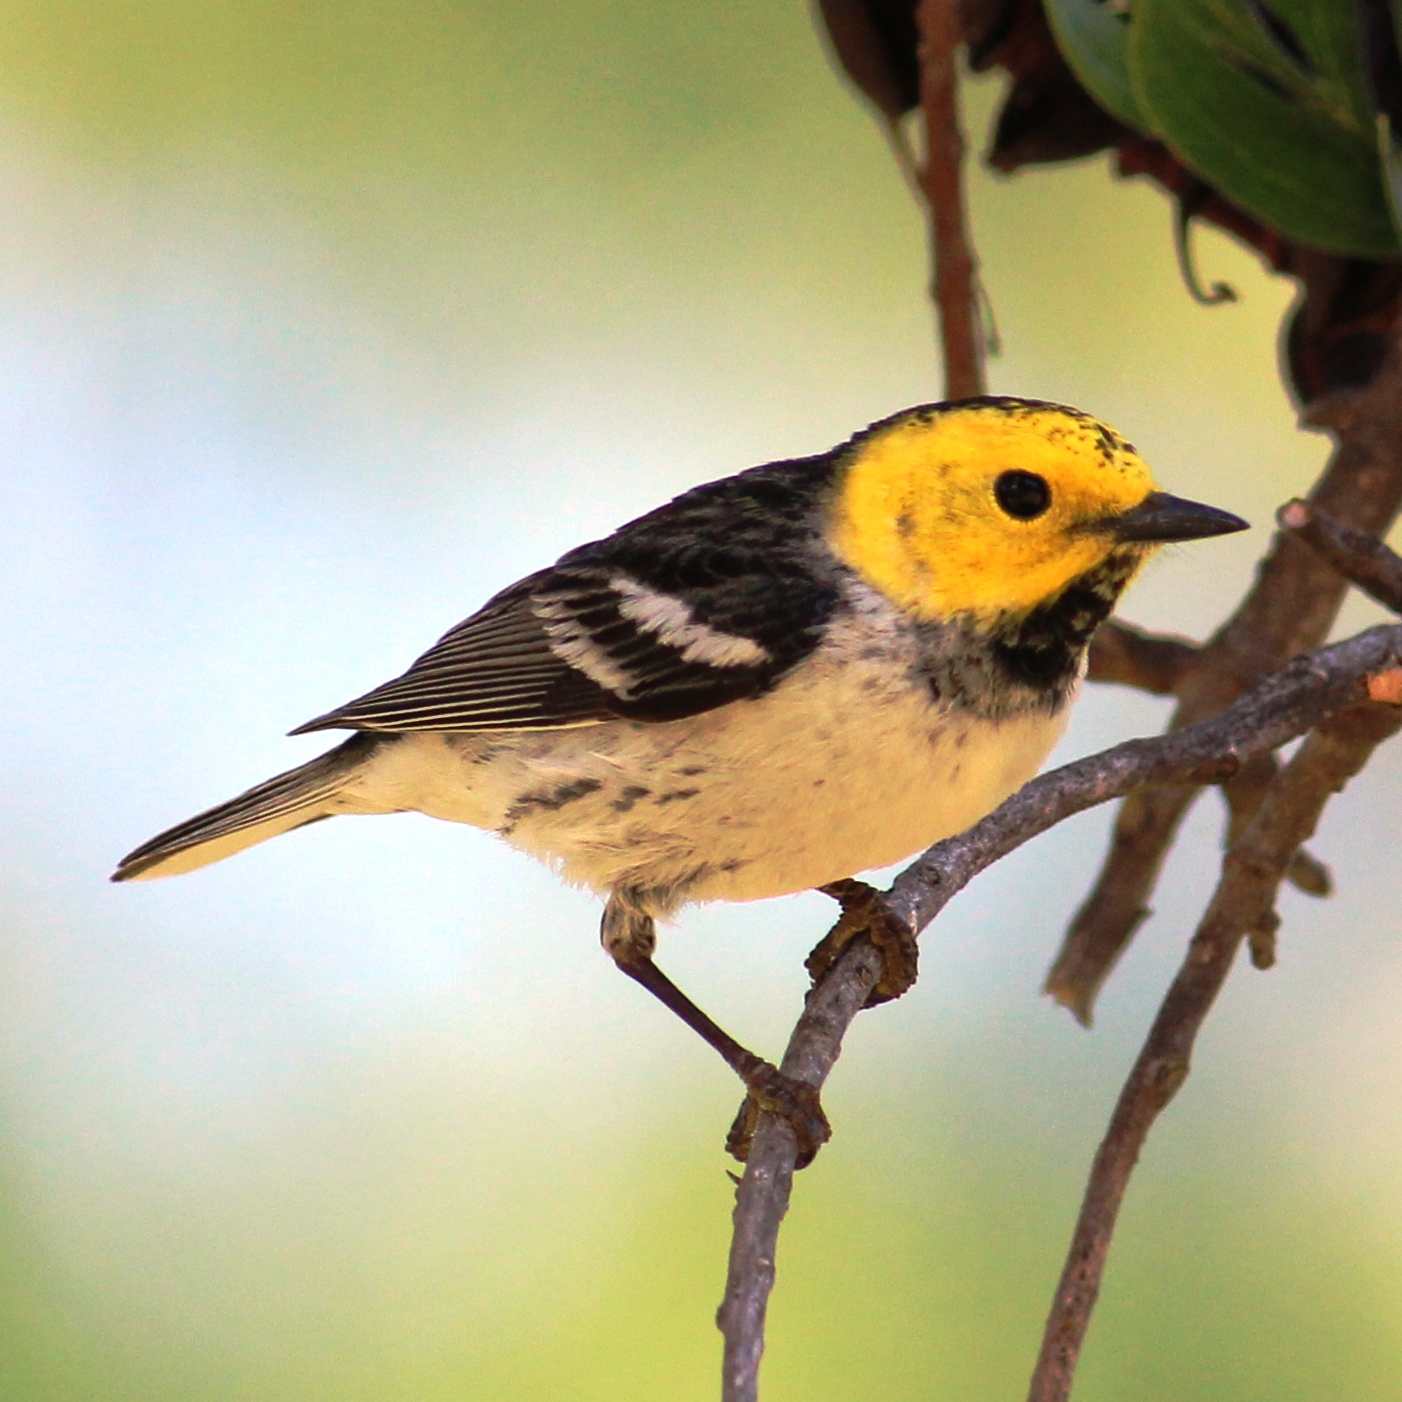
(550, 802)
(675, 795)
(629, 797)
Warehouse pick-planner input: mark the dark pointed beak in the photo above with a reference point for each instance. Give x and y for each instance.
(1161, 517)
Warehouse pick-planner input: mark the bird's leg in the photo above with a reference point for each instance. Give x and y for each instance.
(630, 936)
(864, 914)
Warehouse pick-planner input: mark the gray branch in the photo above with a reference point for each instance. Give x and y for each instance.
(1277, 710)
(1242, 907)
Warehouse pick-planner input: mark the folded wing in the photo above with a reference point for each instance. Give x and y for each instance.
(707, 601)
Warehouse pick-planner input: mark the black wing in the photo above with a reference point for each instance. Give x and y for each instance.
(710, 599)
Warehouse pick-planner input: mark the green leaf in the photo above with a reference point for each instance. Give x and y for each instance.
(1270, 104)
(1390, 154)
(1384, 66)
(1093, 36)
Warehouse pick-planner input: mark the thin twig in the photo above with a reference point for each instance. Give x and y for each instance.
(1277, 710)
(1124, 655)
(1361, 558)
(1244, 796)
(1290, 607)
(1186, 205)
(1128, 656)
(1242, 906)
(956, 268)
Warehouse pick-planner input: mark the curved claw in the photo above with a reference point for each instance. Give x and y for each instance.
(796, 1101)
(864, 914)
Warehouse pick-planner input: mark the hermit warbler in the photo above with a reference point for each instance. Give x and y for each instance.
(773, 682)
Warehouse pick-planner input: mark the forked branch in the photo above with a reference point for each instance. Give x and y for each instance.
(1280, 708)
(1360, 558)
(1242, 907)
(1289, 608)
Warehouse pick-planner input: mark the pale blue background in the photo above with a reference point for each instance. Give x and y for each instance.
(318, 325)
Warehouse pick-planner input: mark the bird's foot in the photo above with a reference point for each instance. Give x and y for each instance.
(864, 914)
(629, 935)
(796, 1101)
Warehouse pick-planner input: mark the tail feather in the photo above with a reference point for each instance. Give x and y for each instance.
(291, 800)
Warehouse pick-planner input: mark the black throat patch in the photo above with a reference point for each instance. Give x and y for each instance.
(1043, 649)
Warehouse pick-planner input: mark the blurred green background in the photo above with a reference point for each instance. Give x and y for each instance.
(319, 323)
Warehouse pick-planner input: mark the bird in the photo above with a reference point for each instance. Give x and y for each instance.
(772, 683)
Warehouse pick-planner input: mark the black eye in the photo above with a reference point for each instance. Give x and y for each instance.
(1022, 494)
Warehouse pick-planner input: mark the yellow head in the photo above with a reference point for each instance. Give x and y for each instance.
(990, 508)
